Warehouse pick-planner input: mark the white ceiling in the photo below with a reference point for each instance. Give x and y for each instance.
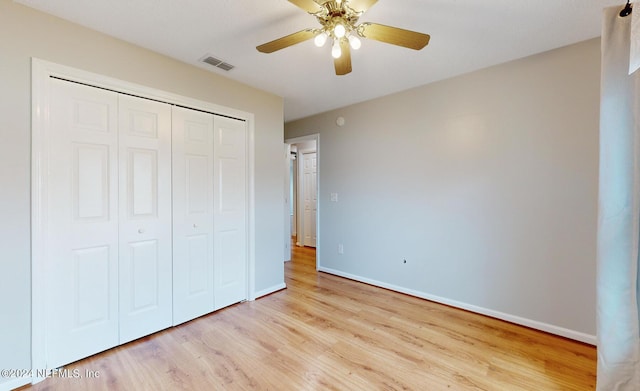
(465, 35)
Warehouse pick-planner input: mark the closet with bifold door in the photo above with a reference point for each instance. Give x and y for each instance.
(145, 207)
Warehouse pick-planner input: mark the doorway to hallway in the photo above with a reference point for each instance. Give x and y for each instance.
(303, 188)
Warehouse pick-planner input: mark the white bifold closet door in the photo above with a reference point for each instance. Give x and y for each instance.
(115, 271)
(82, 223)
(108, 236)
(145, 278)
(230, 211)
(193, 214)
(210, 213)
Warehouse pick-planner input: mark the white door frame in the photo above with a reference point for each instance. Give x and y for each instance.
(41, 73)
(312, 137)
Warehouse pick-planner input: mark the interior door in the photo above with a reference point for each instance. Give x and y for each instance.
(192, 214)
(287, 202)
(310, 198)
(145, 277)
(81, 265)
(230, 211)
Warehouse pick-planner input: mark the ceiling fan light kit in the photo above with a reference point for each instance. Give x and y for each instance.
(339, 22)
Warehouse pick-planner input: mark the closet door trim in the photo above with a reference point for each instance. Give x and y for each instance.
(41, 74)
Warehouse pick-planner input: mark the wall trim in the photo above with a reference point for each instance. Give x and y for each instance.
(41, 72)
(534, 324)
(271, 290)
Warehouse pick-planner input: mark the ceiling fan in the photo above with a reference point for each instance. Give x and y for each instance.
(339, 21)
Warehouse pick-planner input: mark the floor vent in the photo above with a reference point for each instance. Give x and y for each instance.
(216, 62)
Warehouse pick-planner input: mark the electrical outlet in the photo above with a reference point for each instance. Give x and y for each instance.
(340, 249)
(334, 197)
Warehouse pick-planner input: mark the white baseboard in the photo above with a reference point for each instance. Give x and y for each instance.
(270, 290)
(14, 383)
(549, 328)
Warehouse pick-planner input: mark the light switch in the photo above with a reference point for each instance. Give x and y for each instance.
(334, 197)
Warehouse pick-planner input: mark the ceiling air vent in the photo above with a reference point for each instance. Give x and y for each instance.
(216, 62)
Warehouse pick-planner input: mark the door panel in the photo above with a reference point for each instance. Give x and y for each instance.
(144, 263)
(145, 217)
(198, 184)
(81, 266)
(92, 290)
(310, 198)
(230, 211)
(90, 182)
(143, 183)
(198, 267)
(229, 258)
(192, 162)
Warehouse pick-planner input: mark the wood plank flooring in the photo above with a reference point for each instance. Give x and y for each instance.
(327, 333)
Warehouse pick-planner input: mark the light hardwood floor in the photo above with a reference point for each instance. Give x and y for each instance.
(327, 333)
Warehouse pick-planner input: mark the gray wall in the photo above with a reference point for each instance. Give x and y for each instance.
(485, 183)
(25, 33)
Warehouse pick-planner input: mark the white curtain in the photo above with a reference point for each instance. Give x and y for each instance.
(619, 211)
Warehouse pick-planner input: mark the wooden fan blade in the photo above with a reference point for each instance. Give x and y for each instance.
(287, 41)
(395, 36)
(308, 5)
(361, 5)
(343, 63)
